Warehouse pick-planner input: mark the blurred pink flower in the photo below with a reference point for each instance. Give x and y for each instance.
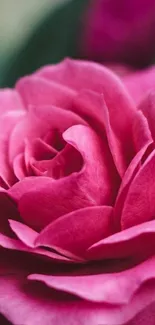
(120, 31)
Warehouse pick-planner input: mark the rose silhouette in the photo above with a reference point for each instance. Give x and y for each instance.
(77, 166)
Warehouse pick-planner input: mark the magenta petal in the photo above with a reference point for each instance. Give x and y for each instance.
(39, 150)
(12, 244)
(140, 83)
(125, 185)
(98, 170)
(28, 236)
(24, 233)
(10, 100)
(77, 75)
(37, 306)
(39, 121)
(66, 162)
(139, 203)
(17, 245)
(135, 241)
(141, 132)
(147, 106)
(19, 167)
(108, 288)
(27, 184)
(99, 120)
(7, 122)
(75, 232)
(37, 91)
(11, 112)
(93, 185)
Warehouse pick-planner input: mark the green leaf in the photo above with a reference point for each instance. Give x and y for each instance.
(56, 37)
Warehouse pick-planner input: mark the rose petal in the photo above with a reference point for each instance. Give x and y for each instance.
(107, 288)
(98, 118)
(7, 122)
(37, 306)
(10, 100)
(37, 91)
(24, 233)
(93, 185)
(37, 123)
(16, 245)
(144, 81)
(135, 241)
(147, 106)
(141, 132)
(27, 184)
(77, 75)
(125, 185)
(11, 111)
(66, 162)
(139, 204)
(19, 166)
(75, 232)
(39, 150)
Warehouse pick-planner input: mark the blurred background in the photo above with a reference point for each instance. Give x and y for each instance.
(38, 32)
(18, 18)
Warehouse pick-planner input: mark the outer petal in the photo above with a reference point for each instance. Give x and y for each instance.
(24, 233)
(126, 182)
(75, 232)
(7, 123)
(37, 305)
(16, 245)
(147, 106)
(111, 288)
(10, 100)
(37, 91)
(135, 242)
(139, 203)
(140, 83)
(78, 75)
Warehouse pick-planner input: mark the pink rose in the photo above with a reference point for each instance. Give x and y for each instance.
(77, 177)
(119, 30)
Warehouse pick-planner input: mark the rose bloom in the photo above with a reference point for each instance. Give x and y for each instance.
(119, 30)
(77, 197)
